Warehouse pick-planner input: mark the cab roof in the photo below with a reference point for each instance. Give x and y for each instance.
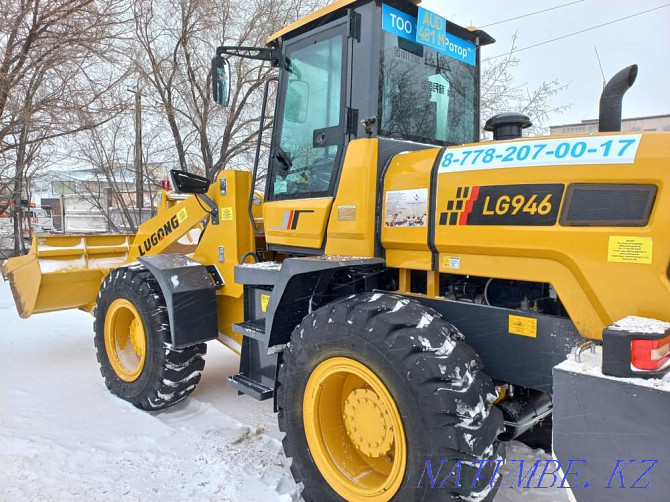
(324, 11)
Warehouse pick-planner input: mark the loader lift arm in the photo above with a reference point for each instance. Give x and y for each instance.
(158, 234)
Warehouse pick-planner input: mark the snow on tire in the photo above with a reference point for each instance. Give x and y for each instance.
(435, 380)
(133, 342)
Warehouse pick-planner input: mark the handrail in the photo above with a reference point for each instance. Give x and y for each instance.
(258, 154)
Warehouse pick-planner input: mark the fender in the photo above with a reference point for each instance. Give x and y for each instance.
(298, 286)
(190, 296)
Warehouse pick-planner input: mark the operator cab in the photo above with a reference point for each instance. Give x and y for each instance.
(410, 72)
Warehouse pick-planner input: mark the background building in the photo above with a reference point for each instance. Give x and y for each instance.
(655, 123)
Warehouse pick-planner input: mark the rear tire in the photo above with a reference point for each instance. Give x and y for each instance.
(343, 363)
(133, 342)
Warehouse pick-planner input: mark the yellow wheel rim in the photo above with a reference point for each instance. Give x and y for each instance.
(125, 341)
(354, 430)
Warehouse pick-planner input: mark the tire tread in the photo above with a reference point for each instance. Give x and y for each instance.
(177, 371)
(445, 375)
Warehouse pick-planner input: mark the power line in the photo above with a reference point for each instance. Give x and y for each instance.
(582, 31)
(531, 14)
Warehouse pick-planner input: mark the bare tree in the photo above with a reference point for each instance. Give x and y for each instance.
(52, 59)
(500, 92)
(177, 40)
(106, 153)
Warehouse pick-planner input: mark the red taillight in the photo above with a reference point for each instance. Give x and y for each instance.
(165, 185)
(650, 355)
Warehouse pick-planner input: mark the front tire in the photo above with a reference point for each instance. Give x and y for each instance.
(374, 386)
(133, 343)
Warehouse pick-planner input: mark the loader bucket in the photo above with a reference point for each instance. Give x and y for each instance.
(63, 272)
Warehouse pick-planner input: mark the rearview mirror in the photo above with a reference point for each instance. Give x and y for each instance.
(297, 97)
(189, 183)
(220, 80)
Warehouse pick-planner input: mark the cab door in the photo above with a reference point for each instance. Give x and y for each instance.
(308, 140)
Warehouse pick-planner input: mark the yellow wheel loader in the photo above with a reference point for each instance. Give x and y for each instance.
(409, 297)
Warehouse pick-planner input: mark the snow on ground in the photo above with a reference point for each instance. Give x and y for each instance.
(63, 437)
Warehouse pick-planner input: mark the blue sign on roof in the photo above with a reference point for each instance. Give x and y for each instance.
(429, 30)
(398, 23)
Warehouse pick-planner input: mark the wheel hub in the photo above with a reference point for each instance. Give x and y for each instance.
(137, 336)
(368, 422)
(125, 340)
(354, 430)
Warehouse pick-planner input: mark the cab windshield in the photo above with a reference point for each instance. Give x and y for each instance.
(425, 96)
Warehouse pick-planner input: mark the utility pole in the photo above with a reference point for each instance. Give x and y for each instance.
(139, 172)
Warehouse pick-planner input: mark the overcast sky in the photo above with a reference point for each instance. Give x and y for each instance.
(643, 40)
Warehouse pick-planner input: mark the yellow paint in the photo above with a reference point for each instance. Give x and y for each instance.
(265, 299)
(257, 211)
(237, 238)
(311, 226)
(368, 422)
(226, 213)
(64, 272)
(308, 19)
(432, 284)
(229, 311)
(623, 249)
(340, 4)
(351, 227)
(162, 200)
(187, 213)
(586, 265)
(125, 340)
(412, 259)
(360, 454)
(407, 247)
(524, 326)
(404, 280)
(573, 259)
(236, 235)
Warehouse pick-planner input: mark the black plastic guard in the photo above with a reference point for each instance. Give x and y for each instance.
(189, 295)
(299, 281)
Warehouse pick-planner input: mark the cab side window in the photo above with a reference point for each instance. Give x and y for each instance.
(311, 136)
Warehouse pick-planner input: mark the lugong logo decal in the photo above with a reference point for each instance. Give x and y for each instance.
(162, 232)
(291, 217)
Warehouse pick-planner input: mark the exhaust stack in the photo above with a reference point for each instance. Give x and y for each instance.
(611, 98)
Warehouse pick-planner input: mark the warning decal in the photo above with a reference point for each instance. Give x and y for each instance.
(182, 215)
(630, 249)
(453, 262)
(227, 213)
(265, 299)
(406, 208)
(524, 326)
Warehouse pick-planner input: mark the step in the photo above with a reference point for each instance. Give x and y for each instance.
(264, 273)
(254, 328)
(250, 387)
